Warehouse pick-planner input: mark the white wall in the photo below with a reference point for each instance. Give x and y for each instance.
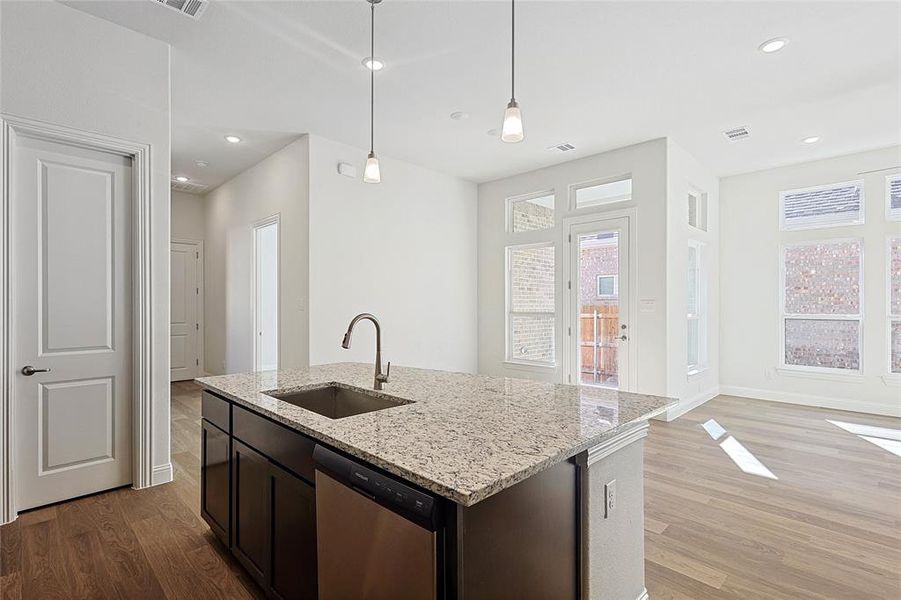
(187, 216)
(64, 67)
(404, 249)
(749, 279)
(276, 185)
(685, 174)
(646, 163)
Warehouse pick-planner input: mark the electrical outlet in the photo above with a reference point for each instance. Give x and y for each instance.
(609, 498)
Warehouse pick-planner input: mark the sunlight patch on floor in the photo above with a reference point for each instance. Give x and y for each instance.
(740, 455)
(884, 437)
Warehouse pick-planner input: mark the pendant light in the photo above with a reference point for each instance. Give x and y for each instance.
(372, 174)
(512, 129)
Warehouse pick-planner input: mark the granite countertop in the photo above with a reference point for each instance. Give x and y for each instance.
(463, 436)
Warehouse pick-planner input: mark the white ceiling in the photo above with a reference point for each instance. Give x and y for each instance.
(599, 75)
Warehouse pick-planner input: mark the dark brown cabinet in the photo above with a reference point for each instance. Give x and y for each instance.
(215, 489)
(293, 568)
(250, 514)
(256, 498)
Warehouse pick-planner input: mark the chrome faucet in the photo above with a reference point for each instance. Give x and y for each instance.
(380, 378)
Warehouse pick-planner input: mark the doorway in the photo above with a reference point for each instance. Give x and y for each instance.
(265, 294)
(185, 309)
(599, 303)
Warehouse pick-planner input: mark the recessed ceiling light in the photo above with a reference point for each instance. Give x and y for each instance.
(773, 45)
(373, 63)
(181, 179)
(201, 163)
(811, 140)
(232, 139)
(459, 115)
(492, 132)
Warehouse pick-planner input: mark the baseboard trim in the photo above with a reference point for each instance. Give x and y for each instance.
(872, 408)
(161, 474)
(688, 404)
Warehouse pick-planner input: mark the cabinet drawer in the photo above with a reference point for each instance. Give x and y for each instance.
(291, 449)
(216, 410)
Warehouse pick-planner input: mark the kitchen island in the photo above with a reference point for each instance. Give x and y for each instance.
(539, 485)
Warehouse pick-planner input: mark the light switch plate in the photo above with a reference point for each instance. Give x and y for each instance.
(609, 498)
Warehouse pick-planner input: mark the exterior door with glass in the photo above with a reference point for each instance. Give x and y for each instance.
(598, 288)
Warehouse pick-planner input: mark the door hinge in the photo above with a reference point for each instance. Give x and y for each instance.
(569, 331)
(570, 238)
(569, 378)
(197, 291)
(197, 255)
(197, 326)
(197, 362)
(569, 285)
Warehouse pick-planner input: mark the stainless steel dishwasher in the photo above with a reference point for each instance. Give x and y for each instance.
(377, 538)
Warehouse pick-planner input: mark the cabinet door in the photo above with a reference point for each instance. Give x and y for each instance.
(214, 479)
(293, 537)
(251, 519)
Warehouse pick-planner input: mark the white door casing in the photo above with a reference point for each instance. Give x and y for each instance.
(12, 130)
(573, 228)
(186, 302)
(71, 272)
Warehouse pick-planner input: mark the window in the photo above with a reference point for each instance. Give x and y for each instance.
(821, 305)
(530, 304)
(598, 194)
(893, 197)
(697, 210)
(697, 308)
(894, 302)
(608, 286)
(532, 213)
(822, 206)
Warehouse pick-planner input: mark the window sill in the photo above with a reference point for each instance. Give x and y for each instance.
(693, 373)
(852, 377)
(527, 366)
(893, 380)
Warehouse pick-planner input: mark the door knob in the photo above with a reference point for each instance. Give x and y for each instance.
(28, 370)
(623, 338)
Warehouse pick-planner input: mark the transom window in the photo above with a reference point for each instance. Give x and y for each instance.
(597, 194)
(822, 206)
(893, 197)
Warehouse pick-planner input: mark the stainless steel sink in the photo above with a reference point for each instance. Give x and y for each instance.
(337, 402)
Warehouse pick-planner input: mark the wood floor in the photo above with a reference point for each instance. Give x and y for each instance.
(828, 527)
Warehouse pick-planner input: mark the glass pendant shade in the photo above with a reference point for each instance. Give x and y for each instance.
(512, 131)
(372, 174)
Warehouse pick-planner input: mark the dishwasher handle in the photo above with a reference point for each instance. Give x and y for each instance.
(420, 507)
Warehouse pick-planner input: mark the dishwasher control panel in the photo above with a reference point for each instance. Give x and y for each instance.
(418, 506)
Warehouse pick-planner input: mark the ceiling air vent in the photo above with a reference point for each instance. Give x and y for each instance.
(191, 8)
(188, 187)
(739, 133)
(562, 147)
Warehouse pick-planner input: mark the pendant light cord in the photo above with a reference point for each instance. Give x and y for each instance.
(512, 49)
(372, 80)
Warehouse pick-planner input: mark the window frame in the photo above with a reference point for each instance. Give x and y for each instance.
(615, 293)
(508, 306)
(889, 315)
(859, 317)
(890, 213)
(525, 198)
(861, 218)
(703, 315)
(700, 210)
(575, 187)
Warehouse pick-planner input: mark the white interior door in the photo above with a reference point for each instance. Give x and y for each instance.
(599, 301)
(184, 311)
(71, 299)
(266, 290)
